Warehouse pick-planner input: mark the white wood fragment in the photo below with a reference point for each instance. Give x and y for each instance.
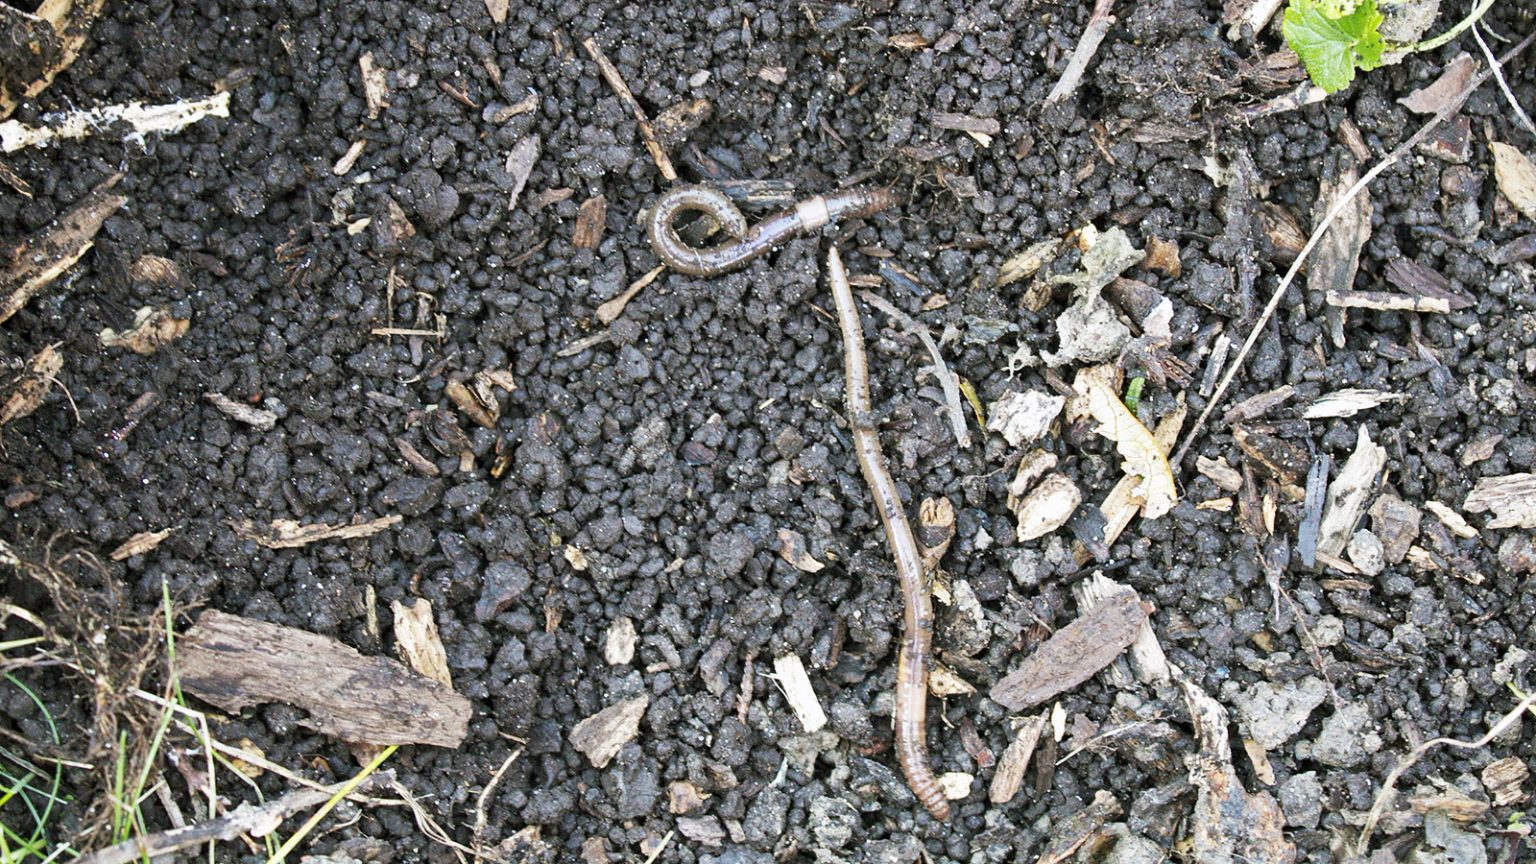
(943, 681)
(1226, 478)
(1511, 499)
(145, 119)
(349, 158)
(1347, 494)
(1023, 418)
(956, 784)
(260, 418)
(1451, 520)
(619, 646)
(417, 640)
(1015, 760)
(797, 689)
(375, 87)
(1349, 402)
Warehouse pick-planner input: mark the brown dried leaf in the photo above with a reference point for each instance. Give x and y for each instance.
(152, 328)
(139, 543)
(31, 387)
(1434, 96)
(601, 736)
(1516, 177)
(1143, 457)
(1074, 653)
(235, 662)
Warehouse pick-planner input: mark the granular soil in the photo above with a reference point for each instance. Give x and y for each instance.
(671, 453)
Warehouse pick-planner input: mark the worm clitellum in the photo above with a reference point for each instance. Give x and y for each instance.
(917, 635)
(748, 243)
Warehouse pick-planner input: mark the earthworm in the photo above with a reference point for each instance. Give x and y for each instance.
(910, 720)
(748, 243)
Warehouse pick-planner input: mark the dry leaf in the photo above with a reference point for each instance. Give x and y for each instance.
(1143, 457)
(151, 329)
(1517, 178)
(31, 387)
(139, 543)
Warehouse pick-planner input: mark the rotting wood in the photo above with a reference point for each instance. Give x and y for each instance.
(53, 36)
(1074, 653)
(235, 662)
(647, 134)
(1348, 492)
(601, 736)
(1088, 45)
(166, 119)
(27, 267)
(289, 534)
(27, 392)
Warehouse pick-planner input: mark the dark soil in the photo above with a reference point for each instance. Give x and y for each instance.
(673, 453)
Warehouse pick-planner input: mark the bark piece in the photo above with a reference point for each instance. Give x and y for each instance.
(600, 736)
(1511, 499)
(236, 662)
(1434, 96)
(1074, 653)
(1503, 780)
(1336, 260)
(1015, 760)
(1229, 824)
(591, 219)
(1516, 177)
(1347, 494)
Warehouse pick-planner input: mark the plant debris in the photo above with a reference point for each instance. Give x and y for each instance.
(1024, 418)
(1015, 759)
(152, 329)
(1349, 402)
(261, 418)
(139, 543)
(417, 641)
(28, 390)
(1516, 177)
(1348, 492)
(1074, 653)
(1511, 499)
(1089, 330)
(142, 119)
(235, 662)
(29, 266)
(1144, 458)
(790, 673)
(601, 736)
(791, 547)
(289, 534)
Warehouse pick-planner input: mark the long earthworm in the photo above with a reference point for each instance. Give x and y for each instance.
(748, 243)
(910, 720)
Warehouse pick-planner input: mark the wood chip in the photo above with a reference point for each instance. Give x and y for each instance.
(1015, 760)
(260, 418)
(798, 691)
(1223, 475)
(349, 158)
(139, 543)
(1349, 402)
(141, 119)
(610, 311)
(482, 413)
(1416, 280)
(1336, 258)
(1433, 97)
(235, 662)
(1255, 407)
(417, 641)
(375, 85)
(601, 736)
(288, 534)
(1511, 499)
(703, 830)
(498, 10)
(944, 682)
(935, 530)
(28, 266)
(28, 390)
(152, 329)
(1383, 301)
(1083, 832)
(1504, 778)
(1451, 519)
(619, 644)
(683, 797)
(1516, 177)
(1228, 823)
(1348, 492)
(1074, 653)
(520, 165)
(15, 181)
(966, 123)
(1453, 803)
(591, 219)
(1481, 450)
(791, 547)
(1286, 461)
(911, 41)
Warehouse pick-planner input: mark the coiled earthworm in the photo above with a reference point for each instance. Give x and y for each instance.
(748, 243)
(911, 715)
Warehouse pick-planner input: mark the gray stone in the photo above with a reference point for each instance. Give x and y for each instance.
(1272, 713)
(1134, 849)
(1301, 797)
(833, 821)
(1445, 843)
(1348, 737)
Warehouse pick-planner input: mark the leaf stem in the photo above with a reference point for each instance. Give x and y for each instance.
(1435, 42)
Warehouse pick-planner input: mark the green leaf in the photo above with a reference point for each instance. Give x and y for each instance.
(1332, 48)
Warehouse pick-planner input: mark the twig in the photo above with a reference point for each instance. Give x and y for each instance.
(611, 75)
(947, 379)
(650, 859)
(610, 311)
(246, 819)
(1098, 25)
(1498, 75)
(1384, 796)
(1317, 235)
